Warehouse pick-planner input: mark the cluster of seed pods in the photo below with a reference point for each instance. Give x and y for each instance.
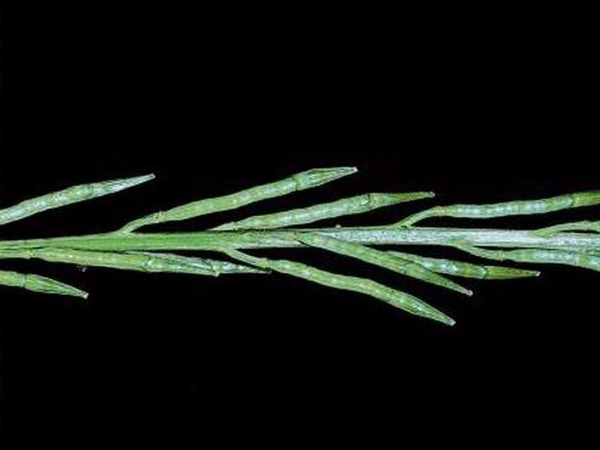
(435, 271)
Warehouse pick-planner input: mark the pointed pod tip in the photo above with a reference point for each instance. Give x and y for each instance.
(72, 291)
(142, 178)
(111, 187)
(443, 318)
(423, 195)
(458, 288)
(508, 273)
(339, 172)
(393, 198)
(317, 177)
(132, 181)
(343, 171)
(347, 169)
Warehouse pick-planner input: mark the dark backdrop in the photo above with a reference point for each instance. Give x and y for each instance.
(213, 105)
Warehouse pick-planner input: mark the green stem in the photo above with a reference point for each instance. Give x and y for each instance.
(216, 240)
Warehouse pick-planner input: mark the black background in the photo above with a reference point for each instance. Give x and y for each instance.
(215, 103)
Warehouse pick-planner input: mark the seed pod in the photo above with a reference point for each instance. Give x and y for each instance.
(297, 182)
(585, 225)
(347, 206)
(515, 208)
(38, 283)
(379, 258)
(137, 261)
(68, 196)
(396, 298)
(535, 255)
(168, 262)
(465, 269)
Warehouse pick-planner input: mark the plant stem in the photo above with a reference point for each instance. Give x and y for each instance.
(217, 240)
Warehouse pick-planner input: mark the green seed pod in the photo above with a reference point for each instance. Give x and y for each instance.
(394, 297)
(514, 208)
(347, 206)
(379, 258)
(465, 269)
(297, 182)
(585, 225)
(542, 256)
(68, 196)
(136, 261)
(38, 283)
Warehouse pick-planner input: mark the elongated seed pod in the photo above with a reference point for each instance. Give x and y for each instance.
(38, 283)
(585, 225)
(297, 182)
(515, 208)
(534, 255)
(347, 206)
(379, 258)
(68, 196)
(136, 261)
(466, 269)
(215, 266)
(396, 298)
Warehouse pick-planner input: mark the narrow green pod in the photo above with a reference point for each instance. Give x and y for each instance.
(136, 261)
(344, 207)
(188, 264)
(37, 283)
(379, 258)
(585, 225)
(297, 182)
(514, 208)
(466, 269)
(68, 196)
(541, 256)
(396, 298)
